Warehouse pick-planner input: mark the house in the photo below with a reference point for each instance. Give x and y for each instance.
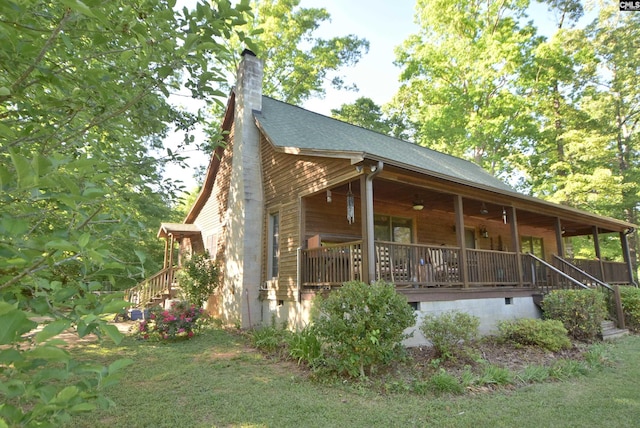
(297, 203)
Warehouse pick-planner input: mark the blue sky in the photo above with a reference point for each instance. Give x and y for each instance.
(385, 24)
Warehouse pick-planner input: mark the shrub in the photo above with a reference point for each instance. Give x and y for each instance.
(630, 297)
(547, 334)
(181, 321)
(580, 311)
(361, 326)
(448, 331)
(198, 278)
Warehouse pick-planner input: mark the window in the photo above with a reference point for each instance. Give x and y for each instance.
(274, 245)
(533, 245)
(395, 229)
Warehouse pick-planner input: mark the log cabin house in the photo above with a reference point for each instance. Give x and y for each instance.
(297, 203)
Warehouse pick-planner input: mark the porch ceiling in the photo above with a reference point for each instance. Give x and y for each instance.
(529, 212)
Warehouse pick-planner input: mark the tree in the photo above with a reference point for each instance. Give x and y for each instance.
(458, 80)
(297, 64)
(83, 110)
(364, 113)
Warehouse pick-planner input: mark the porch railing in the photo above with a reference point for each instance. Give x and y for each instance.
(157, 285)
(332, 265)
(607, 271)
(416, 265)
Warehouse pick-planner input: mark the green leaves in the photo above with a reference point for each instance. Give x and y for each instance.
(14, 323)
(81, 121)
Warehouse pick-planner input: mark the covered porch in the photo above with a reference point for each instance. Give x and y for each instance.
(421, 231)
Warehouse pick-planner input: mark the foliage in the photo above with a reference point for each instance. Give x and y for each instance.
(445, 383)
(271, 339)
(580, 311)
(361, 326)
(450, 331)
(304, 346)
(495, 375)
(181, 321)
(458, 76)
(83, 110)
(547, 334)
(630, 297)
(198, 278)
(364, 112)
(298, 63)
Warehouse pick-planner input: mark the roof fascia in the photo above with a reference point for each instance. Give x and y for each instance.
(214, 163)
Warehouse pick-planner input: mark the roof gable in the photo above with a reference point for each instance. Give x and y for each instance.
(296, 130)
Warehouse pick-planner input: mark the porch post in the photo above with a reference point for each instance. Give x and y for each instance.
(462, 265)
(166, 255)
(170, 250)
(371, 255)
(627, 256)
(364, 215)
(596, 245)
(515, 245)
(559, 242)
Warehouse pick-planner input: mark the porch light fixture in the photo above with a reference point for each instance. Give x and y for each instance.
(483, 232)
(418, 205)
(350, 206)
(504, 215)
(483, 209)
(329, 199)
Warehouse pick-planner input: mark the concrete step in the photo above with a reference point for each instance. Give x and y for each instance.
(610, 331)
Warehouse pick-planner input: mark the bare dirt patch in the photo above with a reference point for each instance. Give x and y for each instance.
(506, 355)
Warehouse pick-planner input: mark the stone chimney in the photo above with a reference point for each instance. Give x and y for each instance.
(245, 215)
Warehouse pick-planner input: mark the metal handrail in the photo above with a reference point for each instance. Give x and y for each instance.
(591, 277)
(558, 271)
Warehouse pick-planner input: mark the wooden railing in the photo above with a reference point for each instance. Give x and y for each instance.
(492, 268)
(332, 265)
(157, 285)
(416, 265)
(606, 271)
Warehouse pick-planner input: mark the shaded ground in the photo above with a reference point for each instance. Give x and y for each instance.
(72, 338)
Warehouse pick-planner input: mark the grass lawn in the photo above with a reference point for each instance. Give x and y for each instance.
(217, 380)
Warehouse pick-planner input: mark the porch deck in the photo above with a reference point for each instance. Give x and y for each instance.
(426, 266)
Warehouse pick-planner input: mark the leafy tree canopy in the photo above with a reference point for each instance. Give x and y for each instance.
(83, 111)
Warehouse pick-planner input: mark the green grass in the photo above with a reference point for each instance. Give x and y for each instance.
(216, 380)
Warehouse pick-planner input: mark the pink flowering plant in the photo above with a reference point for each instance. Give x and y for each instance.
(182, 321)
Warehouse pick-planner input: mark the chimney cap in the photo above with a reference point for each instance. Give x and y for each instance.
(248, 52)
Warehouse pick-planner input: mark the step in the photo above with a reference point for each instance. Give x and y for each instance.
(610, 331)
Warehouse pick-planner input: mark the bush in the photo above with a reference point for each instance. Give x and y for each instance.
(547, 334)
(198, 278)
(181, 321)
(580, 311)
(630, 297)
(361, 326)
(448, 331)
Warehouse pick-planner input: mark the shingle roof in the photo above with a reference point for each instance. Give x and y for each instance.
(295, 129)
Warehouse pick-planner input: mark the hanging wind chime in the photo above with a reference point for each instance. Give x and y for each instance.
(350, 206)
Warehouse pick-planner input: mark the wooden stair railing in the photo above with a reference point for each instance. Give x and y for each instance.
(153, 290)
